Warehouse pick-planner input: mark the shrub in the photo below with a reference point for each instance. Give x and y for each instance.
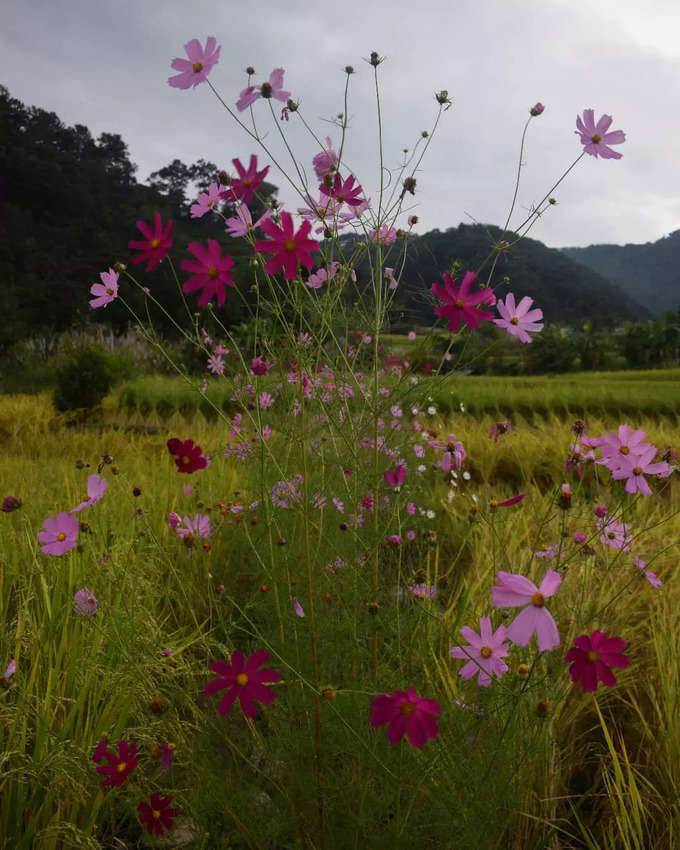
(87, 375)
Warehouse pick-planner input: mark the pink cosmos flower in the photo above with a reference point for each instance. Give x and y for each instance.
(288, 247)
(651, 577)
(85, 602)
(174, 519)
(9, 672)
(96, 487)
(595, 138)
(421, 591)
(344, 192)
(106, 291)
(395, 540)
(592, 657)
(243, 680)
(326, 160)
(518, 320)
(243, 187)
(299, 610)
(407, 714)
(242, 223)
(460, 305)
(216, 364)
(199, 527)
(210, 270)
(119, 766)
(196, 68)
(386, 235)
(317, 280)
(615, 534)
(59, 535)
(156, 244)
(635, 467)
(500, 428)
(516, 590)
(272, 88)
(395, 477)
(484, 654)
(206, 201)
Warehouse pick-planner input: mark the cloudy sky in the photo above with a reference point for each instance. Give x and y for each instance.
(105, 64)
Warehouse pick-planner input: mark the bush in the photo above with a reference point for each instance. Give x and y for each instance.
(86, 377)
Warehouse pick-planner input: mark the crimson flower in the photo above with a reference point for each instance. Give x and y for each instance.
(460, 304)
(196, 68)
(287, 246)
(156, 815)
(591, 658)
(595, 138)
(344, 192)
(243, 680)
(188, 457)
(211, 272)
(119, 766)
(407, 714)
(243, 187)
(156, 244)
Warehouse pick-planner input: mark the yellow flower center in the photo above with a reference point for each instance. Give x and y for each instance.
(592, 656)
(486, 652)
(289, 245)
(246, 181)
(242, 679)
(596, 138)
(185, 460)
(408, 708)
(212, 272)
(155, 243)
(156, 814)
(196, 67)
(624, 450)
(121, 766)
(493, 503)
(459, 304)
(514, 320)
(537, 600)
(341, 198)
(109, 291)
(61, 536)
(637, 470)
(210, 203)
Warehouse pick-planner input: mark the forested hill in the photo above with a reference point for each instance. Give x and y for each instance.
(565, 290)
(650, 273)
(68, 207)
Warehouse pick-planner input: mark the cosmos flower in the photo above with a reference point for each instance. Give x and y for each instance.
(242, 679)
(519, 320)
(156, 815)
(96, 487)
(106, 291)
(484, 654)
(210, 272)
(515, 590)
(85, 602)
(461, 305)
(407, 714)
(592, 657)
(595, 138)
(272, 88)
(119, 766)
(287, 246)
(197, 66)
(59, 534)
(156, 243)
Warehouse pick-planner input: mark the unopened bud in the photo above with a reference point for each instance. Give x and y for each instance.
(375, 59)
(328, 692)
(410, 185)
(349, 69)
(552, 201)
(425, 134)
(442, 97)
(224, 178)
(250, 70)
(536, 109)
(119, 267)
(291, 105)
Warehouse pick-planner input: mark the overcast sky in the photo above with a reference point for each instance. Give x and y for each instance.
(105, 64)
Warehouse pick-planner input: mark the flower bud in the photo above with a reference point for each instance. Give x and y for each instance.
(412, 220)
(536, 109)
(250, 70)
(375, 59)
(328, 692)
(119, 267)
(442, 97)
(224, 178)
(292, 105)
(410, 185)
(425, 134)
(349, 69)
(552, 202)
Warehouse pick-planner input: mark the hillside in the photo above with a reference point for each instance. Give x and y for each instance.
(649, 273)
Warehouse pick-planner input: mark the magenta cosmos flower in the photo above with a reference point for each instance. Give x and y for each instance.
(272, 88)
(595, 138)
(460, 305)
(484, 654)
(96, 487)
(519, 320)
(592, 657)
(242, 679)
(156, 243)
(119, 766)
(344, 191)
(59, 534)
(515, 590)
(288, 247)
(196, 68)
(156, 815)
(243, 187)
(407, 714)
(210, 270)
(106, 291)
